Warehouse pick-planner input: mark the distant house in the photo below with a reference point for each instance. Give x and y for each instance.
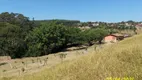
(113, 38)
(95, 24)
(84, 27)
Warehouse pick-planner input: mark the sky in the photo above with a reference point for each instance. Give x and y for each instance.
(83, 10)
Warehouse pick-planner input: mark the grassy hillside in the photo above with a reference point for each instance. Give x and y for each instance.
(121, 60)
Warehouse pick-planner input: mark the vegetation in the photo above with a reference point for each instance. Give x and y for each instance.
(13, 29)
(21, 37)
(69, 23)
(94, 35)
(120, 60)
(49, 38)
(3, 63)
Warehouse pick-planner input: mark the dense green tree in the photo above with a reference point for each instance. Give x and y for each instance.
(94, 35)
(44, 39)
(10, 41)
(13, 29)
(73, 36)
(50, 38)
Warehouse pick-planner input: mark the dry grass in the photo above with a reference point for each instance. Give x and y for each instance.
(30, 65)
(123, 59)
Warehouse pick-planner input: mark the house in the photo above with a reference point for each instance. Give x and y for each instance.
(113, 38)
(110, 38)
(95, 24)
(84, 27)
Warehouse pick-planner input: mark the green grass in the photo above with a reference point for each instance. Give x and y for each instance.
(121, 60)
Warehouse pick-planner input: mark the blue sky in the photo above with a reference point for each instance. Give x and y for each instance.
(83, 10)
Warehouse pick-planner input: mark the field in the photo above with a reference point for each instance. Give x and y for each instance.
(32, 65)
(122, 60)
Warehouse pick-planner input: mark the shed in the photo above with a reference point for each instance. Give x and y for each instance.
(113, 38)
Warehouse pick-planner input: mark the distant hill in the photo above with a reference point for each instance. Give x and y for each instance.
(70, 23)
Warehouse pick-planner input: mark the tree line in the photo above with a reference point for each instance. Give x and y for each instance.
(22, 37)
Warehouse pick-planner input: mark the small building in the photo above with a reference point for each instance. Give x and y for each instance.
(84, 27)
(113, 38)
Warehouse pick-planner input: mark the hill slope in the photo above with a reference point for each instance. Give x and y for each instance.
(123, 59)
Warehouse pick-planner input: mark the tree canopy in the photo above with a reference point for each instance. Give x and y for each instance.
(22, 37)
